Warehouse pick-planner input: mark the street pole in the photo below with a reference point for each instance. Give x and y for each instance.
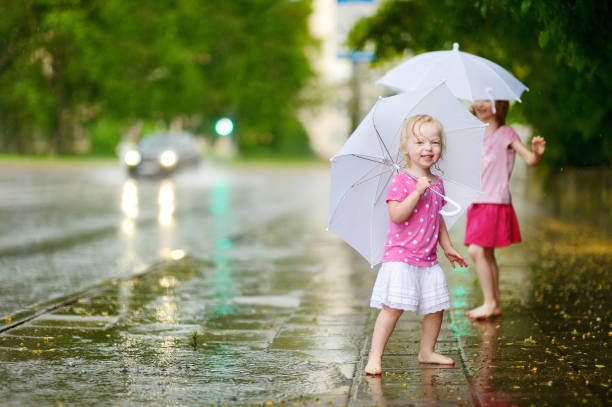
(355, 103)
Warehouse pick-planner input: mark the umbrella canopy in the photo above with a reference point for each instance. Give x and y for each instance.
(362, 169)
(468, 76)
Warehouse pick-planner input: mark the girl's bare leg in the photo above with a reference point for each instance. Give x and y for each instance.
(487, 276)
(490, 255)
(429, 336)
(385, 323)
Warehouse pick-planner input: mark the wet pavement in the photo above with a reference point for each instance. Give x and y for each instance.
(223, 288)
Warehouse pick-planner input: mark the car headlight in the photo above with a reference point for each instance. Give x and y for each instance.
(132, 158)
(168, 158)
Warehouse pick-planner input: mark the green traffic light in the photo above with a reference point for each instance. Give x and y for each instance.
(224, 126)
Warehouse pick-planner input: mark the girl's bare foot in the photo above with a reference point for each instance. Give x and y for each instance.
(484, 311)
(435, 358)
(374, 366)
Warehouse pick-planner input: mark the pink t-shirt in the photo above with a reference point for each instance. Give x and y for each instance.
(414, 240)
(497, 164)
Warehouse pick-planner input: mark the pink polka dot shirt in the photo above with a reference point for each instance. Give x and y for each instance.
(414, 240)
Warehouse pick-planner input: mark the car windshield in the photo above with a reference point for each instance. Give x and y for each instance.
(160, 141)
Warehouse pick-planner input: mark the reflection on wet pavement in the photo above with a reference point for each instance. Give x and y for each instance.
(252, 317)
(529, 355)
(236, 295)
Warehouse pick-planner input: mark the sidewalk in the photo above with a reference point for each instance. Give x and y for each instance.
(281, 317)
(509, 360)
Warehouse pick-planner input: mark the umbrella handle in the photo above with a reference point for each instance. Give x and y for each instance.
(491, 99)
(453, 211)
(447, 199)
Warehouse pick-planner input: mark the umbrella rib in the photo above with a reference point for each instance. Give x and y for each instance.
(370, 158)
(348, 189)
(466, 128)
(380, 140)
(430, 69)
(382, 191)
(465, 74)
(508, 88)
(371, 235)
(370, 178)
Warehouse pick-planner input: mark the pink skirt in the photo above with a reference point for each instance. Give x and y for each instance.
(491, 225)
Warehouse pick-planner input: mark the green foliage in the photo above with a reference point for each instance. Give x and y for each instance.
(66, 65)
(561, 50)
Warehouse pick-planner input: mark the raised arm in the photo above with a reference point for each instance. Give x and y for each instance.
(532, 158)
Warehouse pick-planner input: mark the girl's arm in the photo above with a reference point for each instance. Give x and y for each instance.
(449, 251)
(532, 158)
(400, 211)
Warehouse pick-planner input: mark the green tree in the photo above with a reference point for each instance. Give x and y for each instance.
(45, 80)
(66, 65)
(564, 60)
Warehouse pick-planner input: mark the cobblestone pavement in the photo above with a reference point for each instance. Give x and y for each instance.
(278, 315)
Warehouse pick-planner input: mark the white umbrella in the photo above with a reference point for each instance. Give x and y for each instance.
(468, 76)
(361, 170)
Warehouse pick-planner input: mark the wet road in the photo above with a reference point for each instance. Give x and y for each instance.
(221, 287)
(66, 227)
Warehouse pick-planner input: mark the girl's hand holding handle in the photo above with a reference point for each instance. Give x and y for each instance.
(538, 145)
(422, 184)
(454, 257)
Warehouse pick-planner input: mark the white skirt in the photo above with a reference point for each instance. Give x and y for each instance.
(410, 288)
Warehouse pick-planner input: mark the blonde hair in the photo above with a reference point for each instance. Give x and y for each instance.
(412, 128)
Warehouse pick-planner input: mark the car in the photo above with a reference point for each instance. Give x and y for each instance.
(161, 153)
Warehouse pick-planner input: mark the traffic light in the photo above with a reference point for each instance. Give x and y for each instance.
(224, 126)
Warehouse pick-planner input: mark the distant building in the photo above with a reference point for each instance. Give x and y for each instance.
(343, 84)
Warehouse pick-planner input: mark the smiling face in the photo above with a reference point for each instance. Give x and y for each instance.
(425, 149)
(483, 111)
(422, 142)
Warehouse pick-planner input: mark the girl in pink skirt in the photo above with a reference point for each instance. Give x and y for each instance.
(491, 221)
